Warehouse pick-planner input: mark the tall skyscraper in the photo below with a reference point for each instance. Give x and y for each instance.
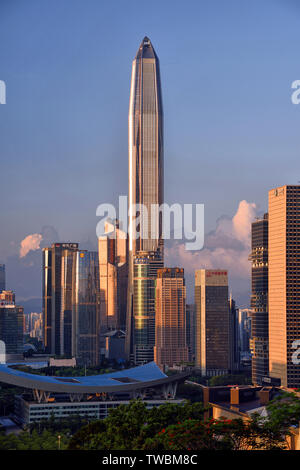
(284, 283)
(2, 277)
(145, 148)
(170, 318)
(259, 300)
(213, 327)
(146, 265)
(53, 286)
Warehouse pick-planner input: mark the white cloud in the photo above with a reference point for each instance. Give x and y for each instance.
(30, 243)
(227, 247)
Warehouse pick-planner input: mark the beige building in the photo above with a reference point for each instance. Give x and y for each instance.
(213, 328)
(113, 270)
(284, 283)
(170, 318)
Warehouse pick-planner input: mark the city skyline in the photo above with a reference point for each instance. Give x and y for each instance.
(262, 124)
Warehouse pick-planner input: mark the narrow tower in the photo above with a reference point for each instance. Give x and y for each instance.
(145, 148)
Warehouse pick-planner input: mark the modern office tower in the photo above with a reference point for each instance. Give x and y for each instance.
(146, 266)
(68, 273)
(145, 148)
(213, 347)
(190, 329)
(52, 291)
(244, 334)
(11, 327)
(284, 284)
(234, 335)
(259, 300)
(2, 277)
(113, 269)
(86, 308)
(170, 318)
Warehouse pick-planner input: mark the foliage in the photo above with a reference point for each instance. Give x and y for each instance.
(129, 426)
(35, 441)
(215, 435)
(230, 379)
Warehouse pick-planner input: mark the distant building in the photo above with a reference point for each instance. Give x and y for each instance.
(11, 327)
(146, 265)
(190, 329)
(114, 345)
(213, 327)
(170, 318)
(259, 300)
(284, 284)
(34, 325)
(2, 277)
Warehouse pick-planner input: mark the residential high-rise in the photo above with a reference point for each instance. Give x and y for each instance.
(86, 308)
(284, 284)
(145, 148)
(2, 277)
(53, 285)
(170, 318)
(113, 269)
(146, 265)
(213, 323)
(259, 300)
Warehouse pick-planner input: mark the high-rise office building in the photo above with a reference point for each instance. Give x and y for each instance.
(284, 284)
(145, 147)
(190, 329)
(86, 308)
(146, 265)
(170, 318)
(2, 277)
(11, 327)
(213, 323)
(234, 335)
(53, 286)
(113, 268)
(259, 300)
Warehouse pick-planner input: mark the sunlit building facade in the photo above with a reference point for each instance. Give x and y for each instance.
(145, 146)
(284, 284)
(170, 318)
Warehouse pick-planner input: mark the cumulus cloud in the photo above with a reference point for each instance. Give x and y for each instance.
(227, 247)
(30, 243)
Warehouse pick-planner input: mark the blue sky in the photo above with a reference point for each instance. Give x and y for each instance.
(231, 131)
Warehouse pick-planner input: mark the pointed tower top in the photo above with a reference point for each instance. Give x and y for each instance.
(146, 50)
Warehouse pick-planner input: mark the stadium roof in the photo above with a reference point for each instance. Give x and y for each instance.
(148, 375)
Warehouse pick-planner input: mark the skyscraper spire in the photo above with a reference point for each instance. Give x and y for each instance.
(145, 152)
